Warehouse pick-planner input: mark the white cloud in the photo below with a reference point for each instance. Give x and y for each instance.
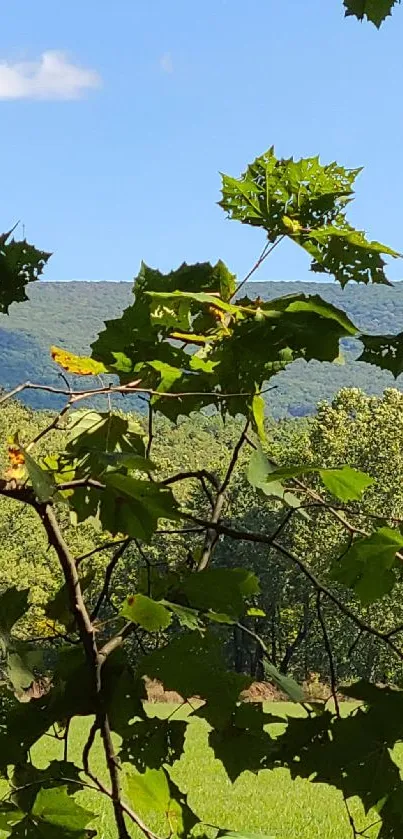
(166, 63)
(53, 76)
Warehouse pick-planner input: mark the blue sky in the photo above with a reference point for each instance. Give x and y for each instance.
(171, 93)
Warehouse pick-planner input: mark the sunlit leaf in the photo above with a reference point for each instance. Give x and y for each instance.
(56, 808)
(262, 475)
(154, 794)
(80, 365)
(285, 683)
(149, 614)
(346, 483)
(306, 201)
(367, 566)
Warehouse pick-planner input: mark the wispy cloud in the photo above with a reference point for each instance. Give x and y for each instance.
(53, 76)
(166, 63)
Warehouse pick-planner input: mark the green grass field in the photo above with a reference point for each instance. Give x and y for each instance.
(268, 803)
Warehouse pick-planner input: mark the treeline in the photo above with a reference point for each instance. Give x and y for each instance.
(365, 432)
(52, 316)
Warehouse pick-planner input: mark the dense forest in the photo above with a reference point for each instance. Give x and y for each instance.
(71, 315)
(289, 624)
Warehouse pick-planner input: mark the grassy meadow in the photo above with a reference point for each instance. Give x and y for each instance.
(268, 803)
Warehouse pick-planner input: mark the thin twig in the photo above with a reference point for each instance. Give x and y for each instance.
(131, 388)
(108, 576)
(112, 544)
(329, 651)
(267, 250)
(267, 539)
(150, 429)
(212, 536)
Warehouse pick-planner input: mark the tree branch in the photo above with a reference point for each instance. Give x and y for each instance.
(212, 535)
(94, 660)
(329, 651)
(108, 576)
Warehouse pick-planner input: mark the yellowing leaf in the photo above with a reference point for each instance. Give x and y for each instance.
(16, 470)
(293, 225)
(78, 364)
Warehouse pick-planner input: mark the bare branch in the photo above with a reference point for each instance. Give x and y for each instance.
(329, 651)
(108, 576)
(104, 547)
(94, 660)
(267, 250)
(212, 536)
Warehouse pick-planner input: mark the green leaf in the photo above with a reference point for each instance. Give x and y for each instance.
(13, 606)
(153, 742)
(384, 351)
(353, 753)
(146, 612)
(285, 683)
(9, 816)
(153, 794)
(27, 779)
(20, 264)
(54, 807)
(306, 201)
(262, 475)
(258, 411)
(58, 609)
(42, 481)
(221, 589)
(18, 672)
(139, 336)
(193, 665)
(346, 484)
(347, 254)
(367, 566)
(376, 11)
(244, 745)
(187, 617)
(134, 507)
(125, 696)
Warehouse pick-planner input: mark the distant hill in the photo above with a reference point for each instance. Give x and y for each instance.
(71, 315)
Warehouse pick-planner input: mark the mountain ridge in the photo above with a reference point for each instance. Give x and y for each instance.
(70, 314)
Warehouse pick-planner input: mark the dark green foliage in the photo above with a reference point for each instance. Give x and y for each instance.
(353, 753)
(244, 745)
(193, 665)
(51, 317)
(384, 351)
(154, 742)
(20, 264)
(375, 11)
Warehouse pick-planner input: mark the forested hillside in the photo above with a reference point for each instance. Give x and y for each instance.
(67, 314)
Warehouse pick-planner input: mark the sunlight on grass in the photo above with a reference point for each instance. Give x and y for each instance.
(269, 803)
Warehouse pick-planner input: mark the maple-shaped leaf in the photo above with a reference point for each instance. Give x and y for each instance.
(376, 11)
(20, 264)
(306, 201)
